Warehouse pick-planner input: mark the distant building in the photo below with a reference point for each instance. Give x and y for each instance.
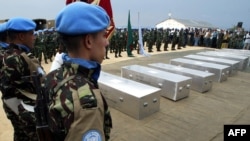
(183, 23)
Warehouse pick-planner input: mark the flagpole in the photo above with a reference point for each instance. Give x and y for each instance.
(138, 19)
(140, 41)
(139, 48)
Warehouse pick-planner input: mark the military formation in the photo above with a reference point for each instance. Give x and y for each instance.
(172, 39)
(46, 44)
(151, 38)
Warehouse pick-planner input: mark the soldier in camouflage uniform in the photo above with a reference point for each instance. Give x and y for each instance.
(175, 39)
(180, 39)
(119, 43)
(124, 40)
(54, 42)
(112, 43)
(145, 36)
(40, 46)
(35, 50)
(166, 39)
(49, 44)
(18, 93)
(73, 87)
(150, 41)
(135, 41)
(158, 39)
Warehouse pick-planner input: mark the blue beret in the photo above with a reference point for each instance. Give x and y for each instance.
(3, 27)
(20, 24)
(81, 18)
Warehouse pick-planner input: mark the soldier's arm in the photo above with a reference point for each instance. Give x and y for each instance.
(107, 120)
(14, 69)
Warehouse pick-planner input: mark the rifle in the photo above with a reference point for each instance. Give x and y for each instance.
(41, 110)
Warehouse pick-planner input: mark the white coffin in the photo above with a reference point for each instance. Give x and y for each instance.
(201, 81)
(240, 52)
(234, 65)
(132, 98)
(221, 72)
(243, 59)
(172, 86)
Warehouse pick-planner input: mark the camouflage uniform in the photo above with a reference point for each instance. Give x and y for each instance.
(166, 39)
(150, 41)
(124, 40)
(41, 48)
(61, 103)
(145, 36)
(112, 45)
(49, 45)
(181, 39)
(36, 49)
(119, 44)
(12, 82)
(175, 39)
(3, 47)
(55, 43)
(158, 40)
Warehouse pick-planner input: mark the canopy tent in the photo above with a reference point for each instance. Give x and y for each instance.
(183, 23)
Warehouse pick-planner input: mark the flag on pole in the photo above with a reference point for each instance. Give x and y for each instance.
(140, 42)
(129, 38)
(106, 5)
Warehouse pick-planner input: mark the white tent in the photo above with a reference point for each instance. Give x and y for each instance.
(183, 23)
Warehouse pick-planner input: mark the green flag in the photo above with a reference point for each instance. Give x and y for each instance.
(129, 38)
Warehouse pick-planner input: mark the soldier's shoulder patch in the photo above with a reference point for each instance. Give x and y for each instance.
(92, 135)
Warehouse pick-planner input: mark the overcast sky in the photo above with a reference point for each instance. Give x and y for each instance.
(221, 13)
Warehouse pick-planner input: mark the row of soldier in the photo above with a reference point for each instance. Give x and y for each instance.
(46, 44)
(176, 39)
(151, 37)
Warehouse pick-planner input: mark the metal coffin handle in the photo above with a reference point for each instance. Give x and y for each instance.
(160, 85)
(121, 99)
(155, 100)
(180, 89)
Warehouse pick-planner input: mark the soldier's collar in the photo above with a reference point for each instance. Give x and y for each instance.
(4, 45)
(93, 67)
(23, 47)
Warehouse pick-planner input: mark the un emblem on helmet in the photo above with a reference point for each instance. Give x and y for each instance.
(92, 135)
